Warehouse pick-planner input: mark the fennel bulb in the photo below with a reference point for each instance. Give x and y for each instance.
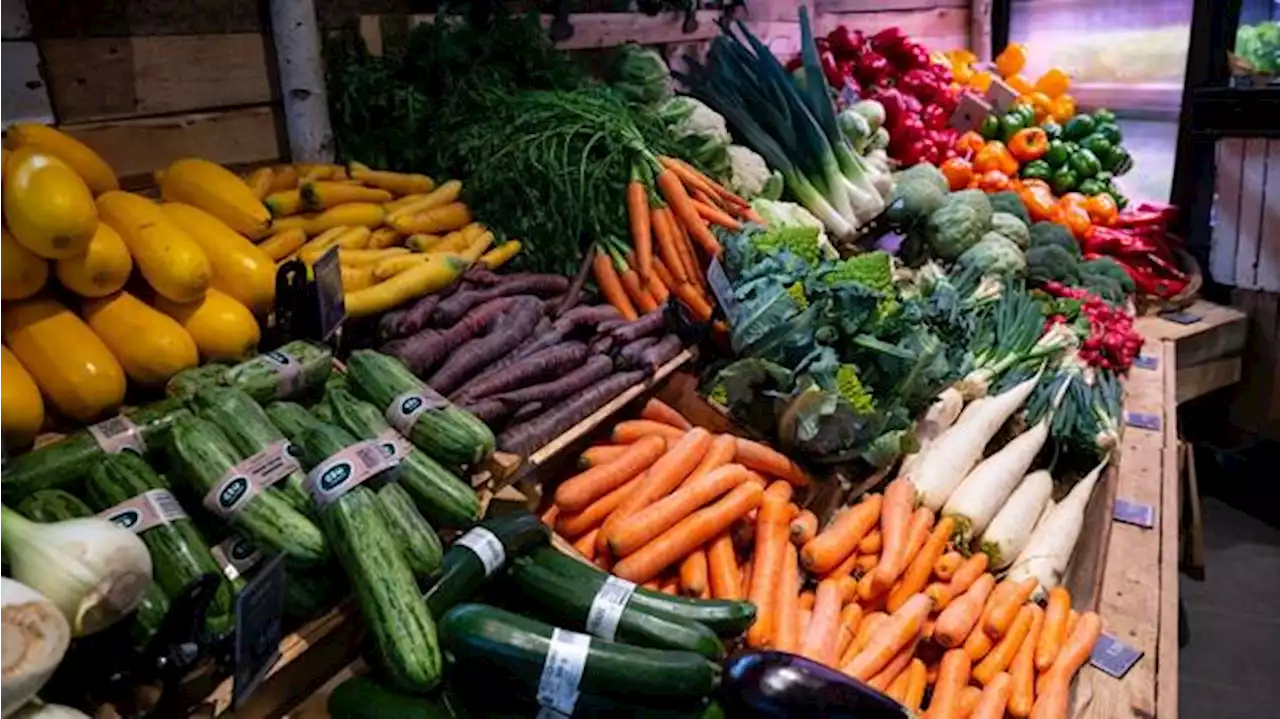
(35, 638)
(37, 710)
(93, 571)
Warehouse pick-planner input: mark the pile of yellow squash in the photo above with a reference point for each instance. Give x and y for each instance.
(205, 260)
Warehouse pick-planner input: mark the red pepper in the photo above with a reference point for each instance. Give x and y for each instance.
(1139, 218)
(934, 117)
(920, 83)
(834, 78)
(845, 44)
(890, 38)
(872, 68)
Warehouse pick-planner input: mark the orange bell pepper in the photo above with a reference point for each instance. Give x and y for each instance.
(1063, 108)
(995, 156)
(1039, 199)
(962, 72)
(1020, 84)
(958, 172)
(1042, 104)
(1102, 209)
(1072, 199)
(981, 81)
(1076, 218)
(1012, 59)
(1054, 83)
(970, 144)
(993, 181)
(1029, 144)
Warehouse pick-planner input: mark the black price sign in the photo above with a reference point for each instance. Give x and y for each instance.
(258, 629)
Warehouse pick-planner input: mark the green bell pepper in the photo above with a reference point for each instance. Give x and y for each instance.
(1104, 117)
(1085, 163)
(1104, 176)
(1010, 124)
(1078, 128)
(1097, 144)
(1110, 132)
(1119, 161)
(1052, 129)
(1064, 180)
(1037, 170)
(990, 127)
(1057, 154)
(1092, 187)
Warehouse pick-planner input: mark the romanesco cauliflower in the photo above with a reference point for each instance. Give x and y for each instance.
(852, 390)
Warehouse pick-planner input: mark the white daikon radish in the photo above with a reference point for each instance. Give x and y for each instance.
(1048, 508)
(954, 454)
(36, 636)
(940, 416)
(1011, 529)
(1049, 550)
(983, 492)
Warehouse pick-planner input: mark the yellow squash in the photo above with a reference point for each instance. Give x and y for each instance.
(95, 171)
(439, 197)
(102, 269)
(22, 272)
(352, 214)
(384, 237)
(452, 216)
(216, 190)
(169, 259)
(283, 204)
(149, 344)
(282, 244)
(47, 206)
(240, 268)
(401, 183)
(71, 365)
(222, 328)
(430, 276)
(500, 255)
(259, 182)
(21, 408)
(324, 195)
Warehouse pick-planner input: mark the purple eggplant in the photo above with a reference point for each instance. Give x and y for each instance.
(777, 685)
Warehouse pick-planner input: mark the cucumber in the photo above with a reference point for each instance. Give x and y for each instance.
(179, 555)
(503, 644)
(446, 433)
(561, 600)
(403, 630)
(65, 463)
(723, 616)
(438, 492)
(291, 418)
(366, 698)
(414, 535)
(201, 456)
(250, 431)
(291, 370)
(464, 571)
(185, 384)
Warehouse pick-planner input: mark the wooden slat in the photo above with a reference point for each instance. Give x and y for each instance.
(1255, 405)
(1220, 332)
(1169, 527)
(136, 147)
(1251, 202)
(938, 29)
(980, 29)
(1204, 378)
(1222, 249)
(874, 6)
(1269, 246)
(99, 78)
(24, 95)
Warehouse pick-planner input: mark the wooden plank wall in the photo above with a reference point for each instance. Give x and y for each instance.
(940, 24)
(1245, 248)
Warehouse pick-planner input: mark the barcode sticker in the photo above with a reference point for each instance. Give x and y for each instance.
(405, 409)
(118, 434)
(562, 671)
(236, 555)
(277, 461)
(287, 367)
(486, 546)
(250, 476)
(347, 468)
(606, 607)
(145, 511)
(395, 443)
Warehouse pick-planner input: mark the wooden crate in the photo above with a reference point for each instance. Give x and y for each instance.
(1245, 247)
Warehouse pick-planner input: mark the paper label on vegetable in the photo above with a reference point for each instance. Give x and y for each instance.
(145, 511)
(250, 476)
(562, 671)
(236, 555)
(395, 443)
(347, 468)
(289, 370)
(405, 409)
(606, 607)
(486, 546)
(118, 434)
(277, 461)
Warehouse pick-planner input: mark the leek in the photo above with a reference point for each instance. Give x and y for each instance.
(36, 636)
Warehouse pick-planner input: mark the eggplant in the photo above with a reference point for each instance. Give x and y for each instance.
(778, 685)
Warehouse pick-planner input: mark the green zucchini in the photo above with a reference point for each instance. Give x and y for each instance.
(250, 431)
(561, 600)
(514, 647)
(364, 697)
(438, 492)
(446, 433)
(723, 616)
(402, 628)
(179, 555)
(464, 570)
(65, 463)
(291, 418)
(310, 592)
(202, 456)
(185, 384)
(417, 540)
(291, 370)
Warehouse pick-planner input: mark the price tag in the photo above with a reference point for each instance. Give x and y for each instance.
(331, 308)
(1114, 656)
(118, 434)
(236, 555)
(259, 607)
(970, 112)
(1002, 95)
(562, 671)
(1150, 362)
(722, 288)
(1143, 420)
(1140, 515)
(1182, 318)
(347, 468)
(152, 508)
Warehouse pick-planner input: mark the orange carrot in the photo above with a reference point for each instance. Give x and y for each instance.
(916, 675)
(840, 538)
(898, 688)
(953, 677)
(640, 224)
(718, 455)
(610, 285)
(804, 528)
(787, 637)
(682, 456)
(549, 516)
(844, 569)
(867, 628)
(806, 600)
(805, 616)
(599, 454)
(897, 665)
(926, 631)
(865, 562)
(668, 251)
(1053, 689)
(871, 544)
(693, 573)
(692, 299)
(631, 282)
(770, 462)
(895, 526)
(653, 585)
(848, 588)
(772, 533)
(637, 529)
(978, 643)
(1023, 670)
(691, 175)
(820, 641)
(694, 531)
(1001, 655)
(658, 289)
(1071, 622)
(632, 430)
(957, 621)
(995, 697)
(1056, 614)
(586, 544)
(1002, 614)
(918, 532)
(850, 617)
(716, 216)
(722, 568)
(901, 628)
(946, 566)
(670, 585)
(748, 569)
(964, 577)
(688, 255)
(575, 493)
(575, 525)
(917, 574)
(968, 701)
(658, 411)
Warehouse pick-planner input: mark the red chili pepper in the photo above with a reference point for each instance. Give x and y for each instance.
(1138, 218)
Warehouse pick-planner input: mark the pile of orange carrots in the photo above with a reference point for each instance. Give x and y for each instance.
(671, 241)
(878, 593)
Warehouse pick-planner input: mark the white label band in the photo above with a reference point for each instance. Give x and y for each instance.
(606, 607)
(347, 468)
(405, 409)
(487, 548)
(562, 671)
(152, 508)
(288, 368)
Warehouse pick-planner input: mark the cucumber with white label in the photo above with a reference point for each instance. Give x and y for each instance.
(291, 370)
(482, 552)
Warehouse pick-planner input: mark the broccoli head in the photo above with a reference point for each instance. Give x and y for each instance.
(1051, 262)
(873, 269)
(1008, 201)
(1108, 267)
(1051, 233)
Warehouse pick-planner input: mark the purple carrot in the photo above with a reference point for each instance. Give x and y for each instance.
(424, 349)
(527, 411)
(503, 336)
(629, 355)
(611, 325)
(600, 344)
(482, 276)
(593, 370)
(575, 288)
(489, 411)
(650, 324)
(455, 307)
(540, 366)
(524, 438)
(659, 354)
(589, 315)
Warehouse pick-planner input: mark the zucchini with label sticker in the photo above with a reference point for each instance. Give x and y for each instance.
(562, 601)
(250, 431)
(515, 648)
(290, 370)
(725, 617)
(202, 456)
(179, 555)
(464, 573)
(444, 432)
(62, 464)
(438, 492)
(184, 384)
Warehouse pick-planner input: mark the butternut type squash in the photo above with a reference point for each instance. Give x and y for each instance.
(169, 259)
(240, 268)
(222, 328)
(150, 345)
(47, 206)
